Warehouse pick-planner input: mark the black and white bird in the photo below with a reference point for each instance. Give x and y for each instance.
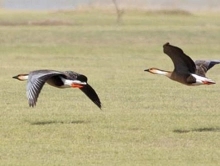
(67, 79)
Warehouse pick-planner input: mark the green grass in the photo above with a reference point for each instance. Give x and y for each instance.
(146, 119)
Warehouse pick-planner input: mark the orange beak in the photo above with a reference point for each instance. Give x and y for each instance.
(74, 85)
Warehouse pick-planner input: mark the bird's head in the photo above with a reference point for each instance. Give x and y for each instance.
(158, 71)
(21, 77)
(153, 70)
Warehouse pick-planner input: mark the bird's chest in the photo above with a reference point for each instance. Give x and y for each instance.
(183, 78)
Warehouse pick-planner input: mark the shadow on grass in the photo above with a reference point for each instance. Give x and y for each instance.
(170, 12)
(56, 122)
(204, 129)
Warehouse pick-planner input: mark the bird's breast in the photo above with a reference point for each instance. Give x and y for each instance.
(184, 78)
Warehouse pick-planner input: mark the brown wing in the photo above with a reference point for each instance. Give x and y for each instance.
(182, 62)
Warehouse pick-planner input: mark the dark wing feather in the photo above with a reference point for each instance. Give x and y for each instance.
(202, 66)
(182, 62)
(35, 83)
(90, 92)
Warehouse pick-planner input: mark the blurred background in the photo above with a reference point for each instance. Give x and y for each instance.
(147, 4)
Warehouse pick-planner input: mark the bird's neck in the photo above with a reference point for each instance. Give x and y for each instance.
(163, 72)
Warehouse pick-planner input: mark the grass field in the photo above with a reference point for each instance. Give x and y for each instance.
(146, 119)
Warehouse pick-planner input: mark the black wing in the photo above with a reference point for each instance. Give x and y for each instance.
(182, 62)
(90, 92)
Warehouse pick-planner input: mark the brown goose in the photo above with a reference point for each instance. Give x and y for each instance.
(185, 70)
(67, 79)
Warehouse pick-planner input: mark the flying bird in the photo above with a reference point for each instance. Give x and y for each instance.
(185, 70)
(67, 79)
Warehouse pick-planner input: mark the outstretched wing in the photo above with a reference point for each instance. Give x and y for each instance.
(36, 81)
(182, 62)
(202, 66)
(90, 92)
(33, 90)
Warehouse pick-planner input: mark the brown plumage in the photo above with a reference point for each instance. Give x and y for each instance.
(185, 70)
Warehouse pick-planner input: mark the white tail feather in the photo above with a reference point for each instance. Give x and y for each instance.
(202, 80)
